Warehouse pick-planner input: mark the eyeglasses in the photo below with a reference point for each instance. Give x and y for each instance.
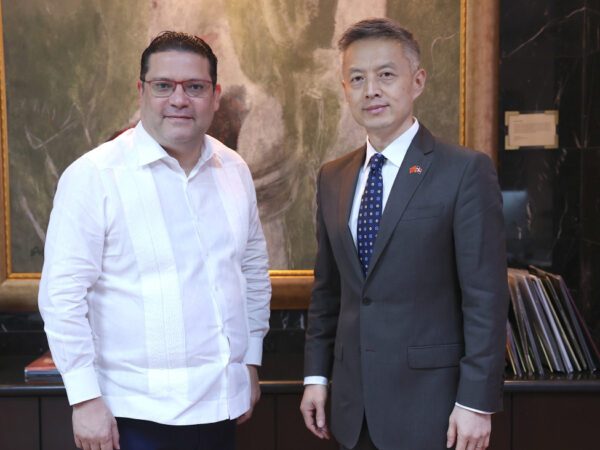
(192, 88)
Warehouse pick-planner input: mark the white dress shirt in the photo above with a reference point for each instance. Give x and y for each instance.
(394, 154)
(155, 288)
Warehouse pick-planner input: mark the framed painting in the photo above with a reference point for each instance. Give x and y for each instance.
(67, 83)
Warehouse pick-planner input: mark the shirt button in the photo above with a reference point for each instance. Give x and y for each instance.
(367, 301)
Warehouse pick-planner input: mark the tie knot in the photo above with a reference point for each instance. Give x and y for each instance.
(377, 161)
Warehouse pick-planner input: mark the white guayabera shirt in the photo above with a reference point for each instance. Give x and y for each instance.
(155, 289)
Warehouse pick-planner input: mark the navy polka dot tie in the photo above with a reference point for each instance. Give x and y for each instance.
(370, 211)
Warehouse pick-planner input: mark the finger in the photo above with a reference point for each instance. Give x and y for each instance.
(320, 423)
(78, 443)
(321, 433)
(472, 445)
(486, 442)
(324, 432)
(320, 415)
(451, 435)
(254, 399)
(115, 435)
(480, 444)
(244, 417)
(308, 414)
(106, 445)
(257, 397)
(461, 442)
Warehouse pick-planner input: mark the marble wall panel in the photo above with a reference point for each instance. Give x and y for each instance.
(550, 60)
(541, 27)
(590, 196)
(591, 99)
(589, 299)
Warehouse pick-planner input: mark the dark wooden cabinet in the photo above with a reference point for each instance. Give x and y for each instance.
(545, 420)
(500, 439)
(257, 433)
(568, 421)
(19, 429)
(55, 424)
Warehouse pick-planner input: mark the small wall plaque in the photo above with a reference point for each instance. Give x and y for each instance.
(531, 129)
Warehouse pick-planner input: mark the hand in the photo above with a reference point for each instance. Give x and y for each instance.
(313, 409)
(470, 430)
(94, 426)
(254, 394)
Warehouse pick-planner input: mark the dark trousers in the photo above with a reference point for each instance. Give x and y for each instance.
(143, 435)
(364, 440)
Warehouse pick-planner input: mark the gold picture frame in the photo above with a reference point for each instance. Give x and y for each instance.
(291, 288)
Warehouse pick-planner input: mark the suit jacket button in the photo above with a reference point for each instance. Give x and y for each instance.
(367, 301)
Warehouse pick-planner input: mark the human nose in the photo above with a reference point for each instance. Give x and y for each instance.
(372, 88)
(179, 97)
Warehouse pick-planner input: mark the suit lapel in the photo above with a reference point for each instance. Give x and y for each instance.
(420, 155)
(348, 180)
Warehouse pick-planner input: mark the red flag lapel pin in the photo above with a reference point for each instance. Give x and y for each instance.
(415, 169)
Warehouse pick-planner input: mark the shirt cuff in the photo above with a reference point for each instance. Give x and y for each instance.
(81, 385)
(254, 352)
(472, 409)
(315, 380)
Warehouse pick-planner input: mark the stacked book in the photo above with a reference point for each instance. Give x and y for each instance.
(545, 332)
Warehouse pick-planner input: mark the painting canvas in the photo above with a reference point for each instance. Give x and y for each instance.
(71, 68)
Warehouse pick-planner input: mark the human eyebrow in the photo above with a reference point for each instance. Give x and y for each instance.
(386, 66)
(351, 70)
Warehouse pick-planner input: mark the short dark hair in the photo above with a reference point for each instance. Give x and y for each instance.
(382, 28)
(183, 42)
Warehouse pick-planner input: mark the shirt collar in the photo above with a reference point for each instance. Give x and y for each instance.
(150, 151)
(397, 149)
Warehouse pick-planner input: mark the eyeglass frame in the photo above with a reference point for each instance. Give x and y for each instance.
(177, 83)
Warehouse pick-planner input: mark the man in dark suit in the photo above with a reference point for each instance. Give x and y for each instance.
(408, 310)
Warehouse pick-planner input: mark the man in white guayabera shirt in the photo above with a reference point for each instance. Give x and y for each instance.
(155, 289)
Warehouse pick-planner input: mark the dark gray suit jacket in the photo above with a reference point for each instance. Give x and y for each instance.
(426, 326)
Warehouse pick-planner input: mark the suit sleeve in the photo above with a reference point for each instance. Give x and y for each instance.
(481, 266)
(325, 301)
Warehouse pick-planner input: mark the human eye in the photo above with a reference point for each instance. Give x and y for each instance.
(356, 80)
(162, 86)
(196, 88)
(387, 75)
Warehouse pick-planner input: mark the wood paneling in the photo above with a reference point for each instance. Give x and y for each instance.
(258, 433)
(56, 424)
(500, 439)
(19, 424)
(556, 421)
